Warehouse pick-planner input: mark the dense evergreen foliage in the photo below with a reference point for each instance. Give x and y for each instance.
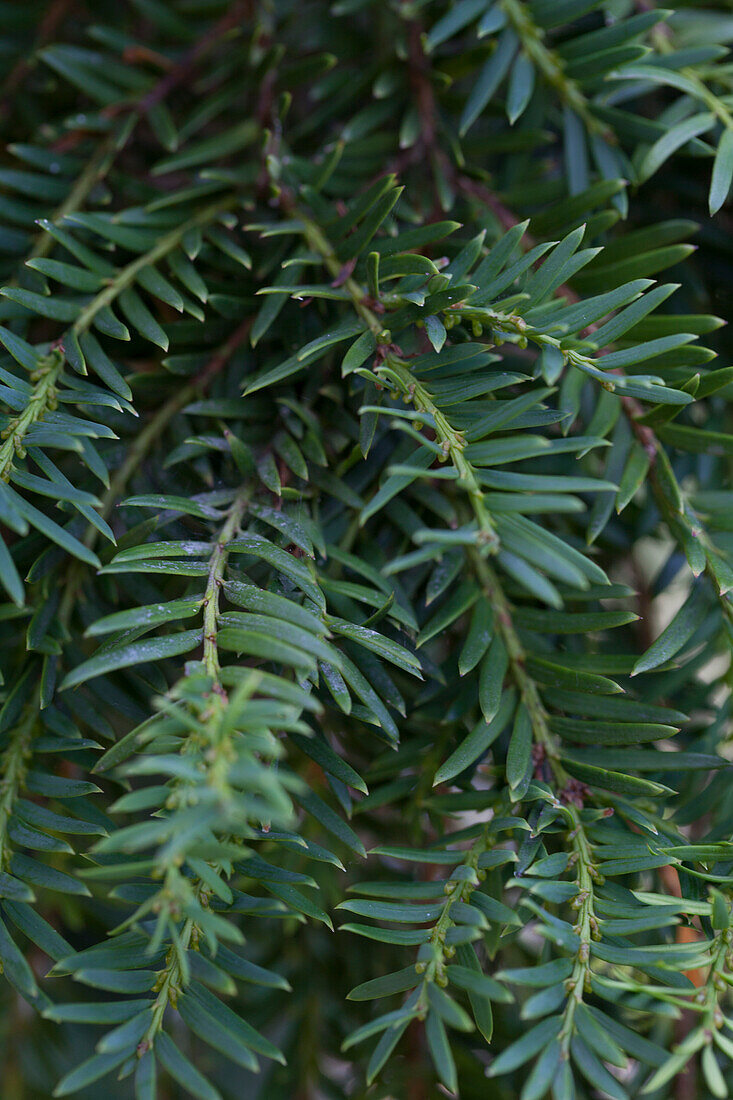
(366, 546)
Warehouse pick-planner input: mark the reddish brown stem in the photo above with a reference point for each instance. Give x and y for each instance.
(182, 71)
(223, 355)
(421, 85)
